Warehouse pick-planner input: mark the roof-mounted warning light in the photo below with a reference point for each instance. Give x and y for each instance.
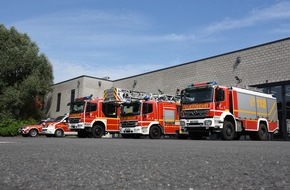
(85, 98)
(202, 84)
(146, 98)
(88, 97)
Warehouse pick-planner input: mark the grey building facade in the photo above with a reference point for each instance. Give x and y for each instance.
(264, 67)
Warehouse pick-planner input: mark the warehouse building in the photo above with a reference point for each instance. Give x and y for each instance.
(264, 67)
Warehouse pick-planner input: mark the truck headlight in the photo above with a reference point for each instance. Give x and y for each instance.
(182, 124)
(207, 122)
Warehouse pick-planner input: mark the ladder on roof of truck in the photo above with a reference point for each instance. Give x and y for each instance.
(122, 95)
(149, 96)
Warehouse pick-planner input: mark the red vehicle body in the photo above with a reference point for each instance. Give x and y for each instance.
(33, 130)
(153, 117)
(209, 109)
(95, 116)
(57, 128)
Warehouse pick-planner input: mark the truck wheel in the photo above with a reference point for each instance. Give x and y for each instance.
(262, 133)
(58, 133)
(155, 132)
(228, 131)
(98, 131)
(33, 133)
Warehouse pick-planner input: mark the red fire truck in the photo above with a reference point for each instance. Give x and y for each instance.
(95, 117)
(209, 109)
(147, 114)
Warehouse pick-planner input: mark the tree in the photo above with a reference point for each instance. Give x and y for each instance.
(26, 76)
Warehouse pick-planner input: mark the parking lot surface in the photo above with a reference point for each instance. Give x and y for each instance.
(116, 163)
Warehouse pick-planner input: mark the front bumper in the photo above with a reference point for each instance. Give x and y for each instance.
(135, 130)
(201, 125)
(23, 131)
(76, 126)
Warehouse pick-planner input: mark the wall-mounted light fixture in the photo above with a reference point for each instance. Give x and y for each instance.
(238, 80)
(100, 83)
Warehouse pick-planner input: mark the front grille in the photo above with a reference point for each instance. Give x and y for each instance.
(74, 120)
(195, 124)
(201, 113)
(125, 124)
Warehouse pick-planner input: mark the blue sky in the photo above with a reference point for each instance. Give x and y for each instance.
(122, 38)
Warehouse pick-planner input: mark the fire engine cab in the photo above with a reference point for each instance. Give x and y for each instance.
(148, 114)
(209, 109)
(95, 117)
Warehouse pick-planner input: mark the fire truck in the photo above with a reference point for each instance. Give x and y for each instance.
(229, 112)
(95, 117)
(148, 114)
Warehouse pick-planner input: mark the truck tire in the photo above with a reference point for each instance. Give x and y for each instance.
(58, 133)
(228, 131)
(33, 133)
(262, 133)
(155, 132)
(98, 131)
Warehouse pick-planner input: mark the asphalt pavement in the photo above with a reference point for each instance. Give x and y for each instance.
(116, 163)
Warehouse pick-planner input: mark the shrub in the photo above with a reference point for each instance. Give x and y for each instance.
(10, 127)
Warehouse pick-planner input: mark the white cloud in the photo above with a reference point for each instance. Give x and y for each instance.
(94, 28)
(277, 11)
(64, 70)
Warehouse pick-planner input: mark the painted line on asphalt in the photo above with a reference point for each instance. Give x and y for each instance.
(5, 142)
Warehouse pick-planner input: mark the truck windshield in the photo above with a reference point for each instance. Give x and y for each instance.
(77, 107)
(132, 108)
(197, 95)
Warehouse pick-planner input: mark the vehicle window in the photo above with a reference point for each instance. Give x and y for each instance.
(130, 108)
(147, 108)
(109, 110)
(91, 107)
(197, 95)
(220, 95)
(77, 107)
